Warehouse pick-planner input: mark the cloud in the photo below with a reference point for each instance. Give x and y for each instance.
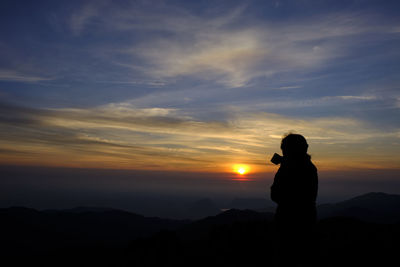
(158, 44)
(354, 97)
(225, 57)
(290, 87)
(15, 76)
(294, 104)
(214, 48)
(123, 136)
(80, 19)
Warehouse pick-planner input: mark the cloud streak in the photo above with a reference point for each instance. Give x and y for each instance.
(123, 136)
(15, 76)
(216, 49)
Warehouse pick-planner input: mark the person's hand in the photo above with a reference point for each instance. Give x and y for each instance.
(276, 159)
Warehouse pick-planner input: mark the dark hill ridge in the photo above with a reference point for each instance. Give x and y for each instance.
(374, 201)
(92, 236)
(22, 226)
(201, 208)
(88, 224)
(257, 204)
(197, 229)
(247, 238)
(83, 209)
(373, 207)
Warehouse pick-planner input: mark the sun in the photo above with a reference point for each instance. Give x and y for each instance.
(241, 169)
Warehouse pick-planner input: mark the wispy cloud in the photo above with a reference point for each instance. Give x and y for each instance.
(10, 75)
(80, 19)
(290, 87)
(166, 43)
(355, 97)
(128, 137)
(213, 49)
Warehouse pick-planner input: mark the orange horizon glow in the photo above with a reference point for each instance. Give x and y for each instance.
(241, 170)
(129, 138)
(68, 160)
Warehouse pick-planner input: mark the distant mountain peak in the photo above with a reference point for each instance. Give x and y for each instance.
(82, 209)
(373, 206)
(376, 198)
(374, 194)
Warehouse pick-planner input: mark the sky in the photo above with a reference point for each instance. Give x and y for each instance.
(200, 86)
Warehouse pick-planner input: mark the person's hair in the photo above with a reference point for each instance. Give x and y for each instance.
(294, 145)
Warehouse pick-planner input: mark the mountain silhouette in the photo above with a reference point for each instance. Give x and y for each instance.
(82, 209)
(201, 208)
(198, 228)
(257, 204)
(372, 207)
(247, 238)
(77, 227)
(96, 236)
(231, 238)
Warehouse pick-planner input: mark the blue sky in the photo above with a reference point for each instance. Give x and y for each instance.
(198, 85)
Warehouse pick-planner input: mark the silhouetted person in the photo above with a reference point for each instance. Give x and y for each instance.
(295, 191)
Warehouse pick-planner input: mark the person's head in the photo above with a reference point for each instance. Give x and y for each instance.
(294, 145)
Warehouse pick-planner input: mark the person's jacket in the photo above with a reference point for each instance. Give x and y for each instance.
(295, 183)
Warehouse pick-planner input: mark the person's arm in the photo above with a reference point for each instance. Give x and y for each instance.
(276, 188)
(315, 185)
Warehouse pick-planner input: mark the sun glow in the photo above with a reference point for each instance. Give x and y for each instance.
(241, 169)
